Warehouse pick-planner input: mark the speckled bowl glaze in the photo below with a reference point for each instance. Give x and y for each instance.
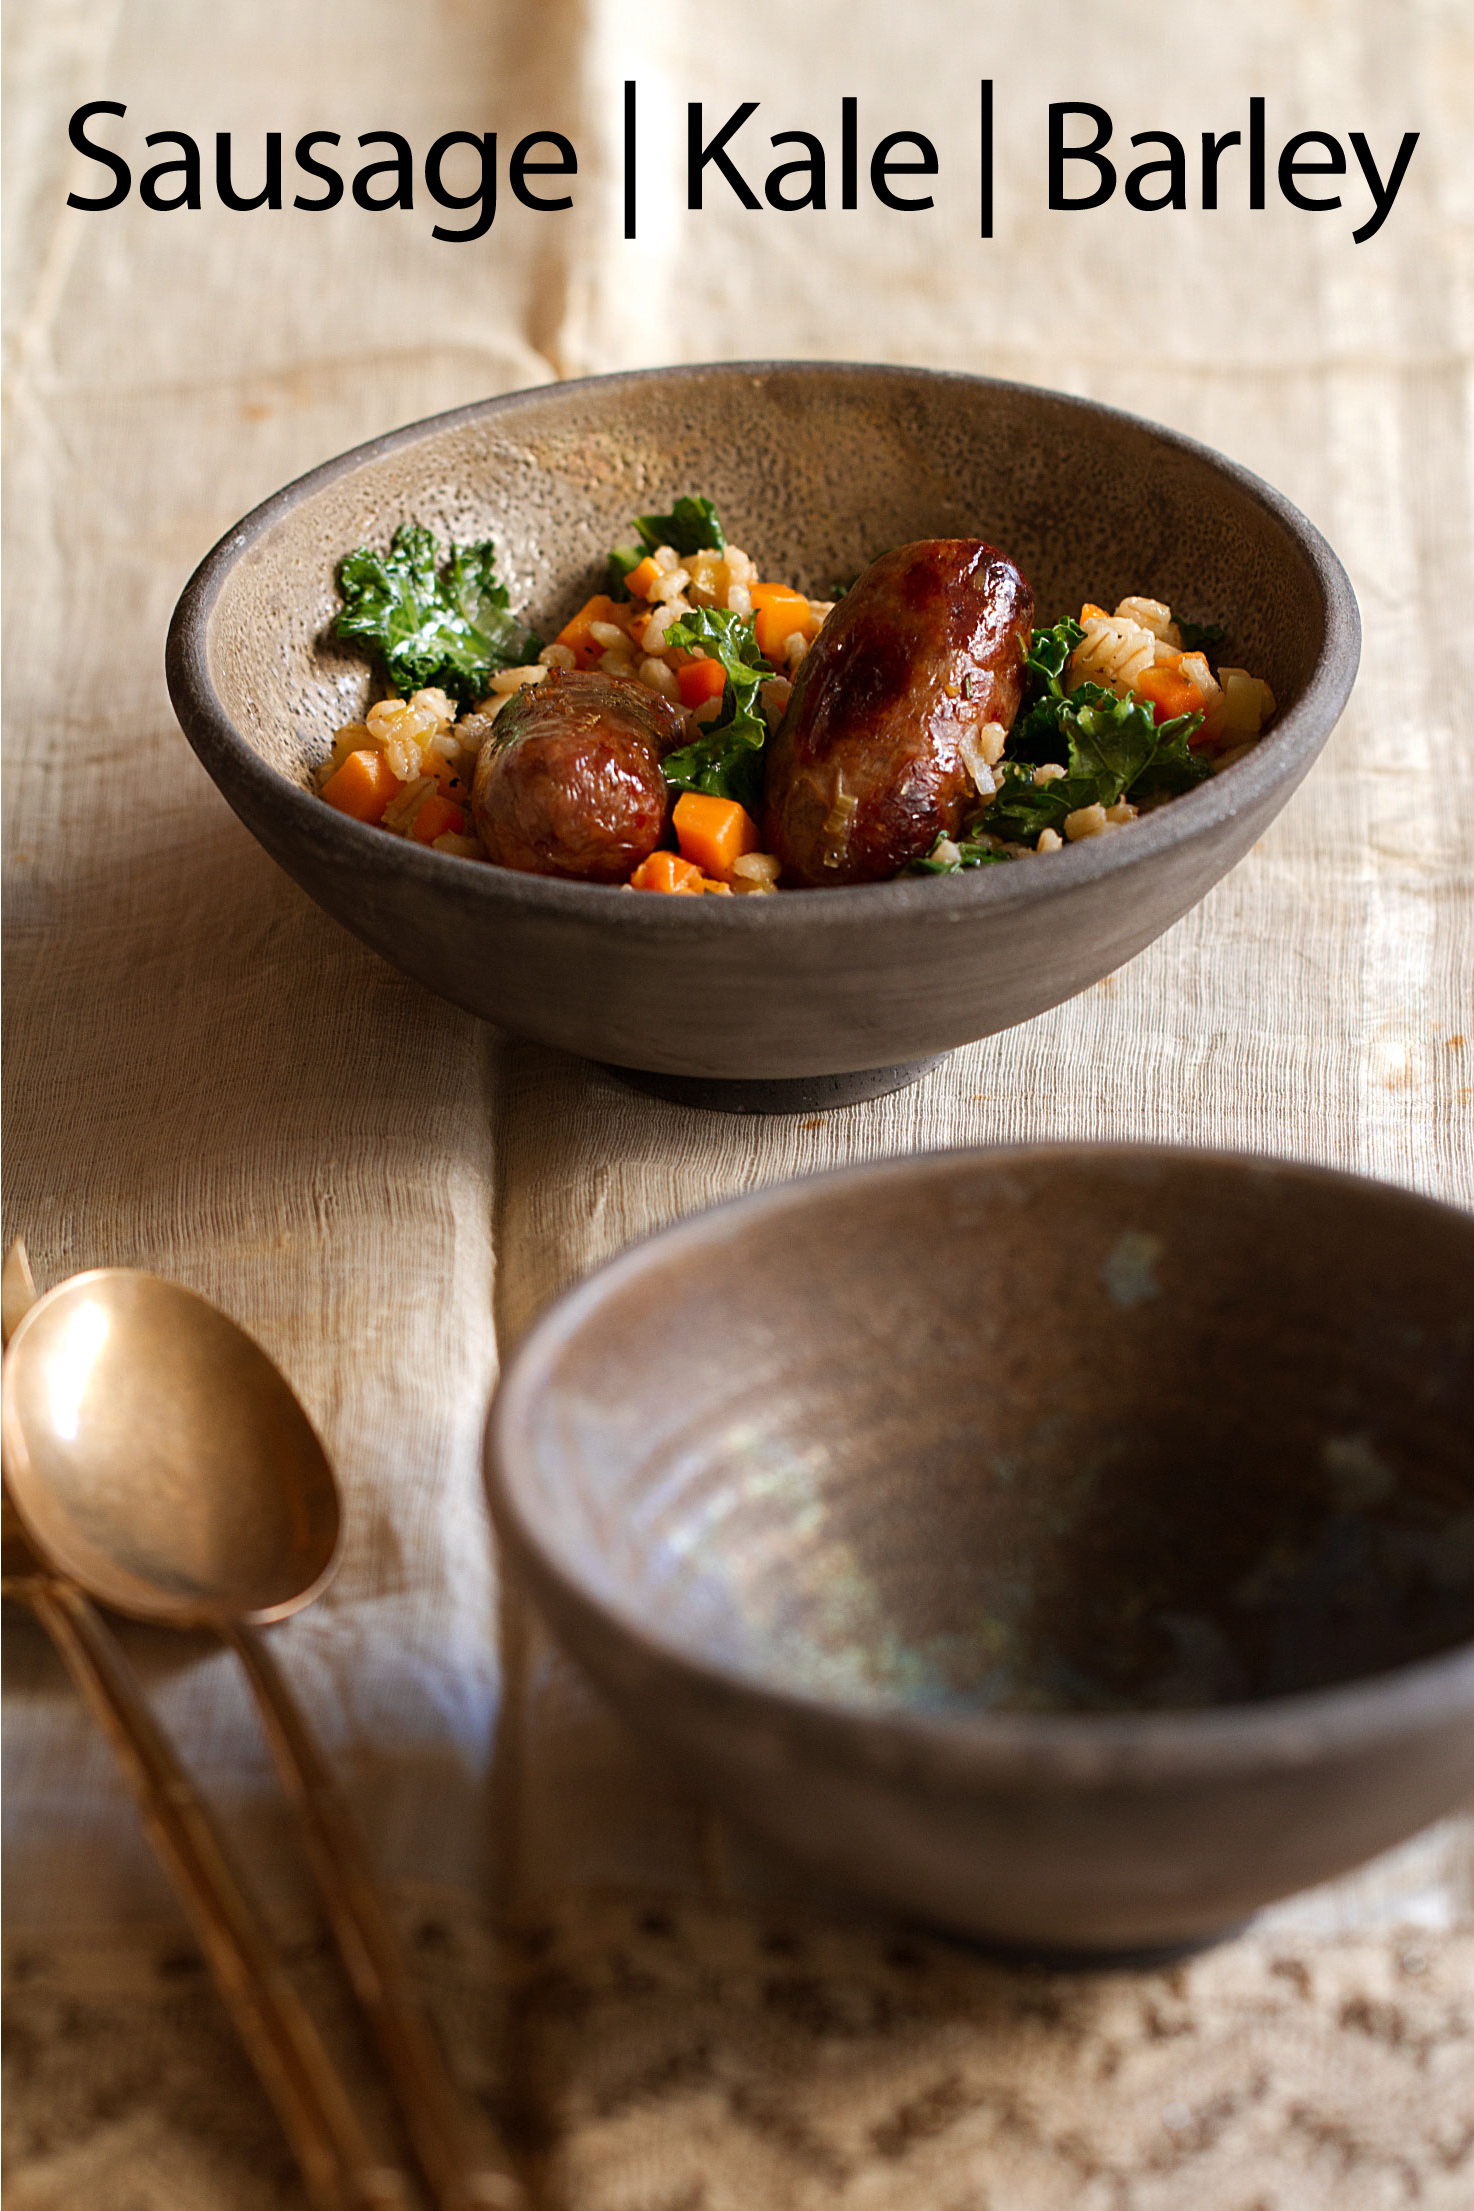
(802, 999)
(1071, 1546)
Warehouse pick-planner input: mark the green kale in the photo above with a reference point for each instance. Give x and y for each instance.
(1174, 767)
(432, 625)
(1108, 739)
(1049, 650)
(1035, 733)
(970, 854)
(1024, 808)
(1197, 637)
(727, 758)
(1108, 747)
(691, 527)
(623, 561)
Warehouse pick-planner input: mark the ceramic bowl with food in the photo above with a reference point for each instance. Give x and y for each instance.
(1072, 1545)
(816, 469)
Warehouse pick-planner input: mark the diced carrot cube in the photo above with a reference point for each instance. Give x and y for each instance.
(713, 832)
(639, 580)
(576, 634)
(701, 680)
(363, 786)
(353, 737)
(1090, 612)
(667, 871)
(779, 613)
(455, 783)
(1168, 691)
(437, 814)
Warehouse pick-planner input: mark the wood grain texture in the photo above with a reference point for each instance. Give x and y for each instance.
(205, 1077)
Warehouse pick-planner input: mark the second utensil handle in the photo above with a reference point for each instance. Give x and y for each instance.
(338, 2165)
(371, 1951)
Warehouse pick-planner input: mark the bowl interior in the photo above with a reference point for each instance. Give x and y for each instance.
(814, 470)
(1056, 1430)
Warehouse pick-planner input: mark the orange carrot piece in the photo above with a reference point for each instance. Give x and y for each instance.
(778, 613)
(363, 786)
(575, 634)
(713, 832)
(438, 814)
(701, 680)
(455, 784)
(1168, 692)
(639, 580)
(1090, 612)
(667, 871)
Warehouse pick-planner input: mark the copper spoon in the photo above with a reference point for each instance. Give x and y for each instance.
(159, 1460)
(339, 2167)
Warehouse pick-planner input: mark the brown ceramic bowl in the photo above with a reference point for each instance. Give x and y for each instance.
(798, 1000)
(1070, 1545)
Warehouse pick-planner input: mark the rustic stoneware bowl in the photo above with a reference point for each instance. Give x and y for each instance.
(1071, 1546)
(766, 1003)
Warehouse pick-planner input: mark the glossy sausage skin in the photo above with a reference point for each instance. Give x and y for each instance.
(569, 782)
(928, 645)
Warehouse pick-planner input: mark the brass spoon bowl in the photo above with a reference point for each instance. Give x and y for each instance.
(158, 1459)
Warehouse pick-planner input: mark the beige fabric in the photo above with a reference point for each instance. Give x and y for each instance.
(206, 1077)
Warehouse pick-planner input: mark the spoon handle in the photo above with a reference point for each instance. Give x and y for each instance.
(429, 2100)
(339, 2165)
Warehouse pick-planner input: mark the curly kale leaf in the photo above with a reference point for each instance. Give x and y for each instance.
(1174, 767)
(1024, 808)
(1109, 747)
(1048, 655)
(1098, 738)
(432, 625)
(692, 526)
(1108, 739)
(1035, 733)
(950, 855)
(623, 560)
(727, 758)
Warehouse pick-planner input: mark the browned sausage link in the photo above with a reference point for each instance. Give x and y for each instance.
(864, 773)
(569, 782)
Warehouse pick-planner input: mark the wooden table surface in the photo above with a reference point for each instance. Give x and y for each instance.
(206, 1077)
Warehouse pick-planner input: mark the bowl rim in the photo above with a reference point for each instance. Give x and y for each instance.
(249, 782)
(1287, 1731)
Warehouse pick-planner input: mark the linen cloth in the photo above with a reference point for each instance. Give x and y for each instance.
(206, 1077)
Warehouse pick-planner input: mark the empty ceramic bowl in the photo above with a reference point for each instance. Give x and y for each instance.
(806, 998)
(1072, 1546)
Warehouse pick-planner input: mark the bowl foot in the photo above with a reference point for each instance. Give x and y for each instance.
(1147, 1957)
(782, 1094)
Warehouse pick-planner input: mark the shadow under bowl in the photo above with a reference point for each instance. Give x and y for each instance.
(815, 468)
(1069, 1546)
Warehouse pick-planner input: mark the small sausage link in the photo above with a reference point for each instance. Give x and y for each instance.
(569, 782)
